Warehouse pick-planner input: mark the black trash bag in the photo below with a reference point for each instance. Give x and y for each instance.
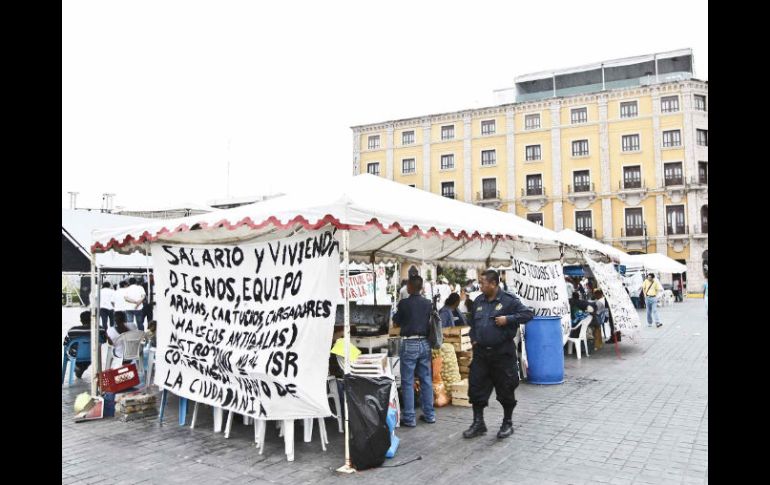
(368, 399)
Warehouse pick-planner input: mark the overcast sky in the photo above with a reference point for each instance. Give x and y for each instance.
(153, 91)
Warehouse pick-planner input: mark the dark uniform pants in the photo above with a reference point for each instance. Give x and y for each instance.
(493, 368)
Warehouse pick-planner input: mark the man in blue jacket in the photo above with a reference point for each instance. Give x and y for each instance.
(495, 317)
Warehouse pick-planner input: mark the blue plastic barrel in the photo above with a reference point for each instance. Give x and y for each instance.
(545, 355)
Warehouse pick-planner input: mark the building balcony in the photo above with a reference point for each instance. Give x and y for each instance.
(632, 193)
(634, 238)
(675, 189)
(695, 183)
(700, 232)
(676, 232)
(489, 198)
(534, 198)
(581, 195)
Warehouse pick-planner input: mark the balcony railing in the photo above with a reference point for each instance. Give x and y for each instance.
(632, 231)
(674, 181)
(488, 195)
(677, 230)
(449, 195)
(533, 191)
(698, 180)
(631, 184)
(582, 188)
(702, 229)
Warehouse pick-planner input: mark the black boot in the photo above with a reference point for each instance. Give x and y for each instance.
(478, 427)
(506, 429)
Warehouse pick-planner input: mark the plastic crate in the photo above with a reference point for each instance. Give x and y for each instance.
(119, 379)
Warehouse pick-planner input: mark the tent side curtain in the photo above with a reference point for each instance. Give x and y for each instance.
(72, 257)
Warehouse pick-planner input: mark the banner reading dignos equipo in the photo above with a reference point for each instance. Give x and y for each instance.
(541, 286)
(248, 327)
(624, 315)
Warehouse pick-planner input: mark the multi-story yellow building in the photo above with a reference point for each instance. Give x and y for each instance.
(617, 151)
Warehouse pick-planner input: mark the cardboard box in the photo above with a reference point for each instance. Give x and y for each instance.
(460, 347)
(461, 354)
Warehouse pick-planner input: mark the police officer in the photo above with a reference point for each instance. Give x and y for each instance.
(495, 317)
(413, 316)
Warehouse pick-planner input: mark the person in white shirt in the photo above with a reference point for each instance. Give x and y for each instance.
(443, 290)
(121, 326)
(107, 306)
(119, 298)
(134, 297)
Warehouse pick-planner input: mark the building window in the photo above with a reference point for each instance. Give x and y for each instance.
(700, 102)
(489, 188)
(703, 172)
(447, 162)
(672, 138)
(448, 132)
(634, 222)
(672, 173)
(704, 219)
(629, 109)
(532, 122)
(373, 168)
(630, 143)
(407, 165)
(583, 223)
(407, 137)
(632, 177)
(579, 115)
(535, 184)
(580, 148)
(414, 186)
(536, 217)
(675, 219)
(582, 181)
(533, 152)
(448, 190)
(703, 137)
(488, 157)
(669, 104)
(374, 142)
(488, 127)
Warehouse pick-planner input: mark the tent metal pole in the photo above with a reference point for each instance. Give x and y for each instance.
(346, 468)
(94, 328)
(96, 365)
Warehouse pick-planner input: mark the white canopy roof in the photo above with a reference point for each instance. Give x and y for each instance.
(390, 220)
(78, 225)
(568, 236)
(654, 262)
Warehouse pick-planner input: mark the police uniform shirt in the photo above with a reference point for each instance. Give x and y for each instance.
(485, 331)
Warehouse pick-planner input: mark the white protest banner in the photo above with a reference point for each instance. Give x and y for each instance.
(541, 286)
(362, 284)
(624, 315)
(248, 327)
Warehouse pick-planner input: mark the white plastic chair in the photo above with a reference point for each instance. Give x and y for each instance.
(333, 393)
(575, 341)
(286, 428)
(132, 349)
(667, 298)
(519, 337)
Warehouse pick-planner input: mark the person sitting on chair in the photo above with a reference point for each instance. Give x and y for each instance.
(114, 332)
(82, 330)
(449, 314)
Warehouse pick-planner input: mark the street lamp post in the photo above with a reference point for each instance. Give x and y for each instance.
(644, 228)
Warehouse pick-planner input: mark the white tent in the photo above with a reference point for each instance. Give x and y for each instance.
(654, 262)
(388, 220)
(377, 220)
(584, 243)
